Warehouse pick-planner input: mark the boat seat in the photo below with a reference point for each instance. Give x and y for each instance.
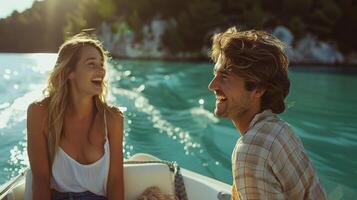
(137, 177)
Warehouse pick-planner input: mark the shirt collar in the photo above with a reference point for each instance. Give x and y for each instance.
(265, 114)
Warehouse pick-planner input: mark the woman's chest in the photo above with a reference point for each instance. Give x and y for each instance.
(83, 144)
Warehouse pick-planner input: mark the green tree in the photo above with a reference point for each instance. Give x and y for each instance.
(324, 17)
(345, 29)
(134, 21)
(297, 26)
(38, 29)
(193, 24)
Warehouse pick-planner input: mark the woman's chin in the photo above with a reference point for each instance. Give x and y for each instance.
(97, 90)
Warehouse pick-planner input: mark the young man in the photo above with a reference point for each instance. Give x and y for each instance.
(250, 84)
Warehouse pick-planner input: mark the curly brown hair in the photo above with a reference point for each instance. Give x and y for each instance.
(259, 59)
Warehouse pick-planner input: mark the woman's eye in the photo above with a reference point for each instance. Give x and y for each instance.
(91, 64)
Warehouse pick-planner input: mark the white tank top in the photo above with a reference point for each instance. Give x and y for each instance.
(68, 175)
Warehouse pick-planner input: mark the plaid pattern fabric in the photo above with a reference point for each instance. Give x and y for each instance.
(269, 162)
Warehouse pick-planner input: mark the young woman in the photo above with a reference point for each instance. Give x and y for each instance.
(74, 137)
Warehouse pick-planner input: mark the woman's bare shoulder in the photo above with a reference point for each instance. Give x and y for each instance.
(115, 124)
(115, 113)
(38, 108)
(115, 119)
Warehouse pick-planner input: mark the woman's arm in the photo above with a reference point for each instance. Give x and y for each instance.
(37, 151)
(115, 184)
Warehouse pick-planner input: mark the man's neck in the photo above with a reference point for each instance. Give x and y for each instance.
(242, 123)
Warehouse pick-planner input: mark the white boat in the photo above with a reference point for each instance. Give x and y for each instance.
(141, 172)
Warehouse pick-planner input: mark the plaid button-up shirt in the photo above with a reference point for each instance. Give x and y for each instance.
(269, 162)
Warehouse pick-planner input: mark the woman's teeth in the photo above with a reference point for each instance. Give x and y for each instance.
(97, 81)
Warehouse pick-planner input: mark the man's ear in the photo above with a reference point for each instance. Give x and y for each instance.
(259, 92)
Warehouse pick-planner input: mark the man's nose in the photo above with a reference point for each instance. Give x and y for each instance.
(213, 85)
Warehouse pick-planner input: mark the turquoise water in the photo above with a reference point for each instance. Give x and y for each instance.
(168, 111)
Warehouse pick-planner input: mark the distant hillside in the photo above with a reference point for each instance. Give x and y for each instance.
(43, 27)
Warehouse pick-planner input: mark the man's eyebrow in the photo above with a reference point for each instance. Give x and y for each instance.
(224, 72)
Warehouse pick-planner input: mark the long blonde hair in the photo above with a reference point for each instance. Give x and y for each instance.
(57, 90)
